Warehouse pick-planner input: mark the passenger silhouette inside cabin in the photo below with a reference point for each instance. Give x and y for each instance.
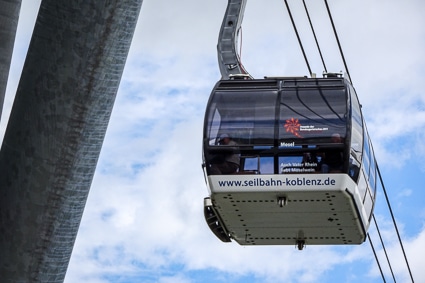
(310, 162)
(332, 159)
(228, 161)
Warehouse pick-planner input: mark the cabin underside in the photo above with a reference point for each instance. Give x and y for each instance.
(290, 217)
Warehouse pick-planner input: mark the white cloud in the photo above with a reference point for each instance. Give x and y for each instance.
(144, 213)
(145, 207)
(399, 267)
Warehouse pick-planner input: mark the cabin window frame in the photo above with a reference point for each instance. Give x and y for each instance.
(272, 147)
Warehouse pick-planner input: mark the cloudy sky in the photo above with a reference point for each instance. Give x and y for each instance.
(143, 220)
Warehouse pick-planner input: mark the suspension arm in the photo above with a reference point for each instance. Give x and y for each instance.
(228, 57)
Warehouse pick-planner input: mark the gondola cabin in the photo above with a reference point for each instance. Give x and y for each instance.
(287, 161)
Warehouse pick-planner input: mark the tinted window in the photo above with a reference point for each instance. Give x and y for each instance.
(257, 164)
(356, 126)
(314, 114)
(300, 128)
(366, 155)
(247, 116)
(301, 163)
(362, 185)
(372, 174)
(354, 167)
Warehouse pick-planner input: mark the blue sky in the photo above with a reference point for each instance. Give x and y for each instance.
(143, 220)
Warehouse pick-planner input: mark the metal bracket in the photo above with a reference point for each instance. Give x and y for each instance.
(282, 201)
(228, 57)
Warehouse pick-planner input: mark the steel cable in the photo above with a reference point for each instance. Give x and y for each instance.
(298, 37)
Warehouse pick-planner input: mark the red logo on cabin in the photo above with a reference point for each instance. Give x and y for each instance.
(293, 126)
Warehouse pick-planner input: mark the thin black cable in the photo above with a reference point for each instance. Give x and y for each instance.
(383, 247)
(314, 34)
(298, 36)
(376, 257)
(395, 224)
(337, 39)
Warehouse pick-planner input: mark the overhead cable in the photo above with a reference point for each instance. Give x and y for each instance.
(395, 224)
(298, 37)
(376, 257)
(337, 39)
(314, 34)
(383, 247)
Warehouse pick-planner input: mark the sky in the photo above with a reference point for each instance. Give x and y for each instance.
(143, 220)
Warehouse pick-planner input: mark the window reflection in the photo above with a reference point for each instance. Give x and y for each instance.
(278, 132)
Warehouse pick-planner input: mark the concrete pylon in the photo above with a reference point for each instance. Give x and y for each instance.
(9, 15)
(56, 130)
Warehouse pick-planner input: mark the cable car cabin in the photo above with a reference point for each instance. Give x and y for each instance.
(287, 161)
